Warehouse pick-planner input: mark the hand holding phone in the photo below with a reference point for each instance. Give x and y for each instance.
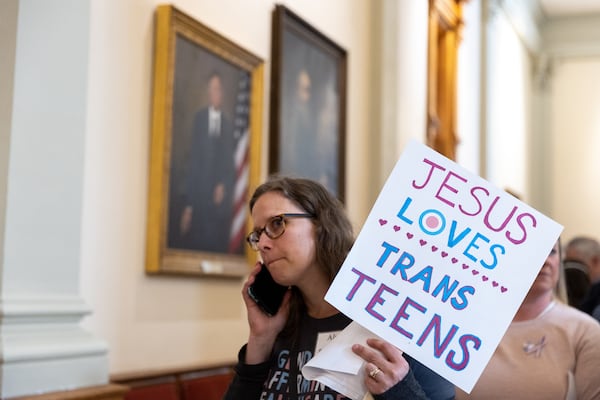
(267, 293)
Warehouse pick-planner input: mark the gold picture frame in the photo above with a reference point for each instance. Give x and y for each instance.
(205, 149)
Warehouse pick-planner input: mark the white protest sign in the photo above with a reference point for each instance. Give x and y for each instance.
(442, 264)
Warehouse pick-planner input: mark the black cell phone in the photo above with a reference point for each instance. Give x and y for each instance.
(267, 293)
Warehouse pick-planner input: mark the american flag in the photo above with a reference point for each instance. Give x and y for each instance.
(242, 134)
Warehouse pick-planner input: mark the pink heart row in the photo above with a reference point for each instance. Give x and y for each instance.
(444, 254)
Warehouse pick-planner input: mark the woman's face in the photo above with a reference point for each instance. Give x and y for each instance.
(547, 278)
(291, 257)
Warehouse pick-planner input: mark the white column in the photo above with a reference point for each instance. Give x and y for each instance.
(42, 138)
(398, 111)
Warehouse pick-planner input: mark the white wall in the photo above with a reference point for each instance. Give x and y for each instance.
(575, 133)
(508, 105)
(469, 105)
(161, 322)
(569, 112)
(398, 83)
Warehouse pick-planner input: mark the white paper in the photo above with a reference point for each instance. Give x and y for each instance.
(338, 367)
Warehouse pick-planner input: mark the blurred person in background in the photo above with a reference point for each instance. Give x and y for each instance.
(586, 250)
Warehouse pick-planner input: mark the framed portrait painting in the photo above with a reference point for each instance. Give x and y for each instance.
(205, 148)
(308, 103)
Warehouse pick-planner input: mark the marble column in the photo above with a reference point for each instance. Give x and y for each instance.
(43, 106)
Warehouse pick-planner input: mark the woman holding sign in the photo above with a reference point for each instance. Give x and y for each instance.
(550, 350)
(303, 236)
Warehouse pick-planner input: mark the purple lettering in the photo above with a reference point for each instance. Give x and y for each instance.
(520, 223)
(464, 339)
(435, 324)
(486, 219)
(377, 299)
(445, 185)
(433, 167)
(479, 206)
(361, 278)
(402, 314)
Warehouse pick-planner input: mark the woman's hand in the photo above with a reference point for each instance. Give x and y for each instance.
(384, 366)
(263, 328)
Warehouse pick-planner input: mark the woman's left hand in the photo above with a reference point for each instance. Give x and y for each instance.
(384, 366)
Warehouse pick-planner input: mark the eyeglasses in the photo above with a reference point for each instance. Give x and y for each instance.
(274, 228)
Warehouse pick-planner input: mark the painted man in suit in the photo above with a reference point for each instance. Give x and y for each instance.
(207, 217)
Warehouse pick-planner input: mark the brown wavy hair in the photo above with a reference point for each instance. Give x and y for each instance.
(334, 235)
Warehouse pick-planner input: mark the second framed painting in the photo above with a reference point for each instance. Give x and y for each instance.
(308, 103)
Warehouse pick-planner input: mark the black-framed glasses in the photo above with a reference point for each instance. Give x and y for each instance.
(274, 228)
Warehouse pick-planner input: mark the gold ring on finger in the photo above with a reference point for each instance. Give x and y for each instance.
(374, 373)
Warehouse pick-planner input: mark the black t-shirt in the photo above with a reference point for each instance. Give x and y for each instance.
(285, 375)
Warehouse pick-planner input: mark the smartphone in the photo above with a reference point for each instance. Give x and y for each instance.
(267, 293)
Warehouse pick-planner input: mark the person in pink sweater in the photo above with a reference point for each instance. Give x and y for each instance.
(550, 350)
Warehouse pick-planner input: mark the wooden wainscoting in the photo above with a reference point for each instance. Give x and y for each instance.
(199, 383)
(104, 392)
